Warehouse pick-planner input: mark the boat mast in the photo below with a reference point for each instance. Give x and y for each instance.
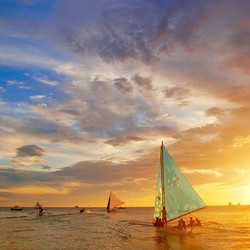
(162, 176)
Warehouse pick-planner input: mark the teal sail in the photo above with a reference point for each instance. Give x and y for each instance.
(173, 191)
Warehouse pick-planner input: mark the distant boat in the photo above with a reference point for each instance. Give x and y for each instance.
(37, 205)
(16, 208)
(113, 202)
(230, 204)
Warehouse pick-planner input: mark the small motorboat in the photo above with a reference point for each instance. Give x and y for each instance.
(16, 208)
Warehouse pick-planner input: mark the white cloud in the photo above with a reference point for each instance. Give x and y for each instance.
(213, 172)
(46, 81)
(37, 97)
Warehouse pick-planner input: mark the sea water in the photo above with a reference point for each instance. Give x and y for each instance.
(67, 228)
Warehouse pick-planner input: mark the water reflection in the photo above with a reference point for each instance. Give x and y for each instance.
(170, 242)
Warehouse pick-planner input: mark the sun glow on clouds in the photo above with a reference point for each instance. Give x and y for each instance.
(215, 186)
(221, 191)
(240, 141)
(240, 194)
(28, 161)
(41, 190)
(35, 190)
(115, 91)
(213, 172)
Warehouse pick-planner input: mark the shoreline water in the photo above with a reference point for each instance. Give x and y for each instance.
(66, 228)
(125, 207)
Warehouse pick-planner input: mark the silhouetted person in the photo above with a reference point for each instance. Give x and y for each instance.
(158, 222)
(198, 222)
(180, 225)
(191, 222)
(164, 215)
(40, 211)
(184, 224)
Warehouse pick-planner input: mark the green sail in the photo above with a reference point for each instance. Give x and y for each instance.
(174, 191)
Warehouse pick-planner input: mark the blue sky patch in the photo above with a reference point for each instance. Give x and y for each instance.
(20, 84)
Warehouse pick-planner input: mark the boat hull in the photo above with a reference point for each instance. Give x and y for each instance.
(16, 208)
(172, 230)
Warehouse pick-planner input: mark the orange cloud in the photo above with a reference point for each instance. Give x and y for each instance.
(35, 190)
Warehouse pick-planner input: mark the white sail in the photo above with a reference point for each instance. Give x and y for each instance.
(113, 202)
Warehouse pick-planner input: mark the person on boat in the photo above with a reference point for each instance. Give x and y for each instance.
(40, 211)
(82, 211)
(161, 222)
(164, 215)
(180, 225)
(191, 222)
(158, 222)
(183, 224)
(198, 222)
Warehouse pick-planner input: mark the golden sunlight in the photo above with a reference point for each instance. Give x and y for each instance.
(35, 190)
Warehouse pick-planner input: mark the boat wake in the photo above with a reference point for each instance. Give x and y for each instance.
(122, 227)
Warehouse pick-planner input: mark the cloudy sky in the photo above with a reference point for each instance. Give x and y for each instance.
(89, 89)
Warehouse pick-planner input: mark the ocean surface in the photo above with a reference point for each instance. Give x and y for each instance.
(66, 228)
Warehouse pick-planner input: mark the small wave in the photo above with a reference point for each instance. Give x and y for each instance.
(14, 217)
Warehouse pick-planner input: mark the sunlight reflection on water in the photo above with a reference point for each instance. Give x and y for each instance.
(66, 228)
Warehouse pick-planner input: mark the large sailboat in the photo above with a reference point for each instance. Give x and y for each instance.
(113, 202)
(173, 193)
(175, 197)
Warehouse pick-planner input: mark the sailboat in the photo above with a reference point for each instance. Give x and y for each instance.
(37, 205)
(173, 193)
(113, 202)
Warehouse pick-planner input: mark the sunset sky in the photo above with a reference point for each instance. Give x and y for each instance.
(89, 90)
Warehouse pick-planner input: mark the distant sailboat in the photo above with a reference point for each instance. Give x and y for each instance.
(113, 202)
(38, 205)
